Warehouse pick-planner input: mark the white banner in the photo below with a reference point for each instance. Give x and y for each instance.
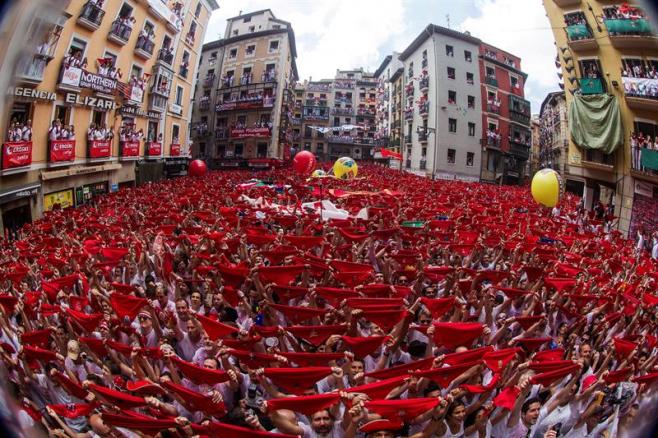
(640, 87)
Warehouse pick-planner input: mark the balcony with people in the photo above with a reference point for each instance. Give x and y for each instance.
(519, 110)
(315, 114)
(91, 15)
(493, 139)
(316, 101)
(145, 44)
(579, 33)
(255, 99)
(209, 80)
(338, 111)
(424, 83)
(318, 87)
(424, 107)
(204, 103)
(409, 113)
(166, 55)
(640, 82)
(121, 29)
(628, 27)
(269, 76)
(493, 105)
(644, 154)
(520, 142)
(246, 78)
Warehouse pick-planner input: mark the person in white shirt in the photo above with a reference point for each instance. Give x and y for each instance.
(26, 133)
(54, 131)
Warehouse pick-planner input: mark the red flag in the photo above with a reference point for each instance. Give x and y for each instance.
(455, 334)
(127, 305)
(297, 380)
(307, 405)
(215, 329)
(363, 346)
(198, 374)
(73, 410)
(406, 409)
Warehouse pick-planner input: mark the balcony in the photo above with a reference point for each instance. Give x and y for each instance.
(424, 84)
(407, 164)
(424, 109)
(409, 114)
(422, 136)
(204, 104)
(157, 103)
(221, 133)
(639, 94)
(166, 55)
(190, 38)
(519, 150)
(91, 16)
(269, 76)
(581, 38)
(407, 139)
(119, 32)
(318, 87)
(592, 86)
(631, 34)
(645, 164)
(492, 142)
(563, 3)
(409, 92)
(314, 102)
(342, 111)
(366, 112)
(490, 80)
(343, 99)
(172, 19)
(316, 117)
(597, 160)
(144, 47)
(208, 81)
(423, 165)
(30, 70)
(493, 108)
(183, 71)
(344, 139)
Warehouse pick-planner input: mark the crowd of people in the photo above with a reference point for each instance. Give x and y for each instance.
(388, 305)
(105, 67)
(74, 59)
(129, 132)
(59, 131)
(99, 132)
(19, 131)
(639, 69)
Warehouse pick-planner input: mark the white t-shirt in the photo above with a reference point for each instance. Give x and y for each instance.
(336, 432)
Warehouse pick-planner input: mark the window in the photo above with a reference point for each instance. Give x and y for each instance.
(246, 20)
(452, 97)
(274, 46)
(112, 56)
(125, 11)
(212, 60)
(251, 49)
(452, 125)
(307, 146)
(451, 73)
(63, 114)
(179, 95)
(239, 149)
(471, 102)
(233, 53)
(202, 149)
(470, 159)
(77, 48)
(197, 11)
(98, 117)
(451, 156)
(514, 82)
(491, 72)
(450, 51)
(252, 29)
(467, 56)
(469, 78)
(175, 131)
(235, 32)
(410, 71)
(471, 129)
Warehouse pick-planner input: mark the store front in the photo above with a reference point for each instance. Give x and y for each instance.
(58, 200)
(86, 193)
(16, 206)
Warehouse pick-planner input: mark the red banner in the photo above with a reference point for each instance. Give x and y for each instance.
(61, 150)
(129, 148)
(16, 154)
(250, 132)
(100, 149)
(386, 153)
(154, 149)
(174, 151)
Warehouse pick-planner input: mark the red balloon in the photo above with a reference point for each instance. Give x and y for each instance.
(304, 162)
(197, 168)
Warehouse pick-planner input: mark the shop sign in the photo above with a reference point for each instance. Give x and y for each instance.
(136, 94)
(64, 199)
(77, 77)
(133, 111)
(250, 132)
(175, 108)
(154, 149)
(90, 101)
(19, 193)
(174, 150)
(16, 154)
(61, 150)
(31, 93)
(644, 189)
(129, 148)
(100, 149)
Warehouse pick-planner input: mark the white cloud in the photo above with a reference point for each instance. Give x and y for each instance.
(521, 28)
(330, 35)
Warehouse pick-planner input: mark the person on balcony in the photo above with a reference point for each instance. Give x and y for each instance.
(54, 130)
(26, 131)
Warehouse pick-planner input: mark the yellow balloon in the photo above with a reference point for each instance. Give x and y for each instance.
(546, 187)
(345, 168)
(318, 173)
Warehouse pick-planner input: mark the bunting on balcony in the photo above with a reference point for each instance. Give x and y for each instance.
(595, 122)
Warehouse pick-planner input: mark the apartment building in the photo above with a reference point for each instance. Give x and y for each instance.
(442, 126)
(608, 55)
(121, 75)
(389, 100)
(244, 101)
(554, 140)
(506, 134)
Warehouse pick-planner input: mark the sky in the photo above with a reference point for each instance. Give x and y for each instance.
(347, 34)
